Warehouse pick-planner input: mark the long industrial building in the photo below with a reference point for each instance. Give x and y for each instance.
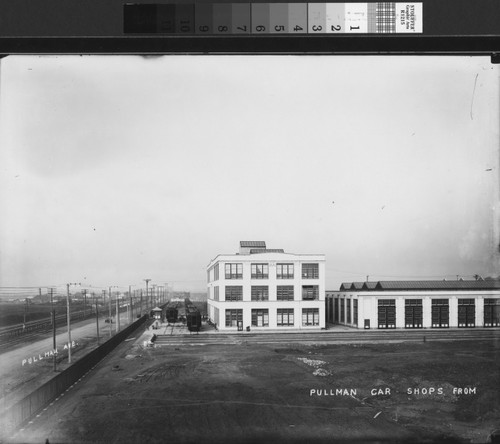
(261, 288)
(415, 304)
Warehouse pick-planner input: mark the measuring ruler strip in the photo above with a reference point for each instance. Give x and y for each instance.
(274, 18)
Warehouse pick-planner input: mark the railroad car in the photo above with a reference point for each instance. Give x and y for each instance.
(193, 316)
(172, 314)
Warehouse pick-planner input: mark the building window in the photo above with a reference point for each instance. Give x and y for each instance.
(466, 313)
(284, 293)
(285, 317)
(491, 312)
(336, 310)
(355, 311)
(234, 293)
(387, 313)
(342, 311)
(284, 271)
(310, 271)
(216, 293)
(310, 316)
(260, 271)
(260, 293)
(413, 313)
(440, 316)
(260, 317)
(348, 311)
(233, 317)
(310, 292)
(216, 272)
(234, 271)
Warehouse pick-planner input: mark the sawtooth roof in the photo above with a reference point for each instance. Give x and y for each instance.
(421, 285)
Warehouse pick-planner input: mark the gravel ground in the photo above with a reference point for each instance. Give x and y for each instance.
(290, 393)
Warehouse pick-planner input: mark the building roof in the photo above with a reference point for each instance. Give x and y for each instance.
(266, 250)
(252, 244)
(437, 285)
(357, 286)
(421, 285)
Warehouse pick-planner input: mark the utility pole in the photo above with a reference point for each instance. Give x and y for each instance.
(109, 309)
(84, 291)
(68, 314)
(147, 292)
(110, 318)
(25, 310)
(153, 296)
(96, 317)
(141, 303)
(53, 317)
(54, 346)
(131, 319)
(117, 315)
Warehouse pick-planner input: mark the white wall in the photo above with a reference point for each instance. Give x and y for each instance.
(272, 282)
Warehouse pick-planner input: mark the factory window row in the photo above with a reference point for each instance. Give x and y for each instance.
(213, 273)
(261, 271)
(261, 293)
(285, 317)
(340, 311)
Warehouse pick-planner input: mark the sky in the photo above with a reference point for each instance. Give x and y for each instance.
(114, 169)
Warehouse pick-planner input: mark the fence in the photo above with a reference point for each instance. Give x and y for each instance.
(27, 407)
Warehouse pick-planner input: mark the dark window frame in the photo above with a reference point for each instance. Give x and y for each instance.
(233, 293)
(289, 313)
(280, 271)
(308, 290)
(235, 270)
(310, 271)
(259, 293)
(260, 312)
(285, 293)
(263, 273)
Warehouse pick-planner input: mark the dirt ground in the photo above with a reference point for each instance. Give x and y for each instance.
(281, 393)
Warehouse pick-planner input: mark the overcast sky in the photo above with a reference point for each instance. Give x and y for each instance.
(116, 169)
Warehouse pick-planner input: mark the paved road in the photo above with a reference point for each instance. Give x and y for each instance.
(19, 376)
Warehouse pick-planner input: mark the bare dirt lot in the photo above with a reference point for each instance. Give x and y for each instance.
(281, 393)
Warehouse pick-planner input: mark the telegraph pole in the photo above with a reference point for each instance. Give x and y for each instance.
(153, 296)
(117, 315)
(84, 301)
(96, 316)
(54, 346)
(109, 309)
(141, 303)
(147, 292)
(110, 318)
(131, 306)
(68, 314)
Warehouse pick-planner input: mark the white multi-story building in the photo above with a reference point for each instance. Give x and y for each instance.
(260, 288)
(415, 304)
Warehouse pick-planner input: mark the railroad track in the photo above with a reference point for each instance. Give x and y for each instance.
(34, 330)
(327, 337)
